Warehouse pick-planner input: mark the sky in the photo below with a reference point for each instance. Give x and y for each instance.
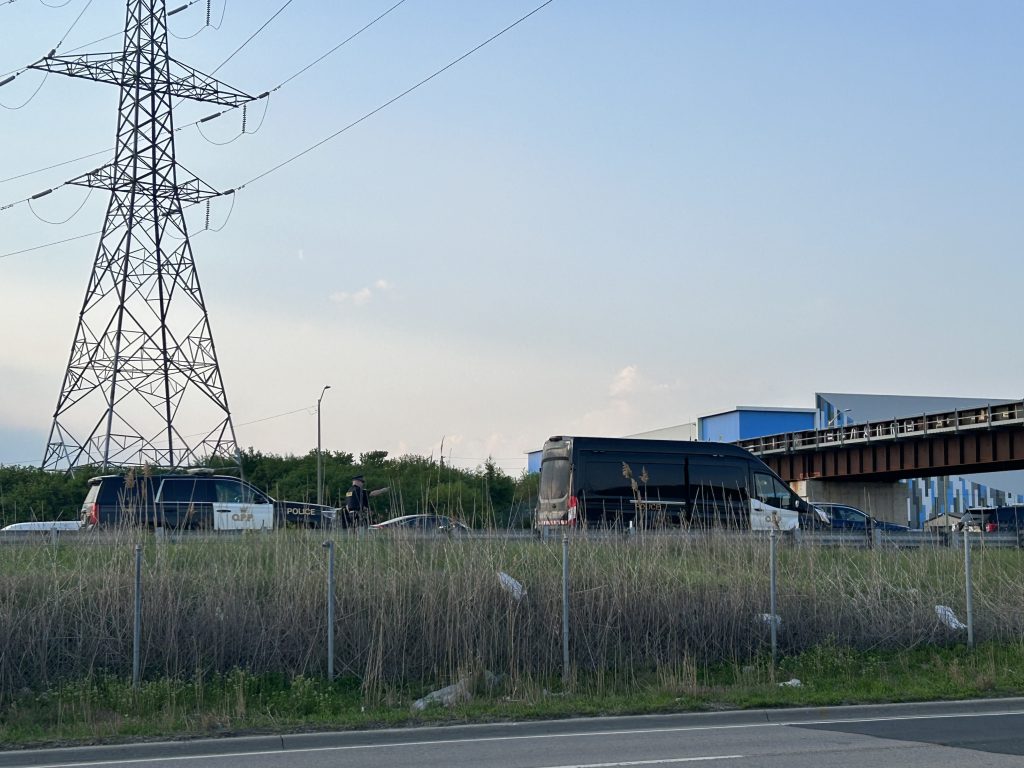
(615, 217)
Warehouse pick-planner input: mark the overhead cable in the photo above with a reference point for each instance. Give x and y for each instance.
(26, 102)
(15, 73)
(74, 24)
(215, 115)
(391, 101)
(93, 42)
(50, 245)
(207, 25)
(64, 221)
(55, 165)
(339, 45)
(178, 10)
(354, 123)
(253, 35)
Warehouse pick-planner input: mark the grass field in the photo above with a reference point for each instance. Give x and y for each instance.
(234, 629)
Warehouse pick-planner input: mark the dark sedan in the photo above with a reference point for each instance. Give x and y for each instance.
(846, 518)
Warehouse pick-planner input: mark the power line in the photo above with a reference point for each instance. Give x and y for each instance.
(292, 77)
(265, 418)
(92, 234)
(391, 101)
(55, 165)
(26, 102)
(209, 117)
(323, 141)
(73, 25)
(17, 73)
(19, 70)
(93, 42)
(64, 221)
(339, 45)
(277, 416)
(49, 245)
(207, 25)
(250, 38)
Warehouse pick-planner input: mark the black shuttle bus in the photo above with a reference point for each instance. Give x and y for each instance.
(602, 482)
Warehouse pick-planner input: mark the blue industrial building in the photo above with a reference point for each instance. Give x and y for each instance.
(746, 422)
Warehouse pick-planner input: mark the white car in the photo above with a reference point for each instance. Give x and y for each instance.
(43, 526)
(422, 524)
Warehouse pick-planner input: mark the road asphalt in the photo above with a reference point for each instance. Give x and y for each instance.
(978, 733)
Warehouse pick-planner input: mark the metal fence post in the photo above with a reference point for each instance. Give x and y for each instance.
(330, 609)
(565, 607)
(773, 618)
(970, 597)
(137, 635)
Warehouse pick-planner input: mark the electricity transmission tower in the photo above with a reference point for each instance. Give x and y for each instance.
(142, 384)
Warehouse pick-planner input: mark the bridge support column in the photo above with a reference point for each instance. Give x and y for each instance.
(883, 501)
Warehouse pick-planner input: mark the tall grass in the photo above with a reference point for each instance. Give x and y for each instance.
(418, 611)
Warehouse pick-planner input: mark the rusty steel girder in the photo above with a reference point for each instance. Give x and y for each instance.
(994, 450)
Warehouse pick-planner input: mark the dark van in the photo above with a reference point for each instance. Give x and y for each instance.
(196, 500)
(600, 482)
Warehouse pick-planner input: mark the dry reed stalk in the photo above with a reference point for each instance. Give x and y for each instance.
(417, 611)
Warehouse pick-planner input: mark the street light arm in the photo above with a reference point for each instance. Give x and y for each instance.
(322, 393)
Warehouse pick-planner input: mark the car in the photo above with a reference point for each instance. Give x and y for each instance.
(43, 526)
(422, 524)
(843, 517)
(195, 499)
(815, 519)
(1006, 519)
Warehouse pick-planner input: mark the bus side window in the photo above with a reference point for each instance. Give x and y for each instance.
(792, 501)
(764, 487)
(719, 493)
(774, 493)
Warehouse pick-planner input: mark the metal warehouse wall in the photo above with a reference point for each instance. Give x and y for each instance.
(744, 423)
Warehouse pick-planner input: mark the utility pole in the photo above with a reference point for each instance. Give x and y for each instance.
(142, 384)
(319, 453)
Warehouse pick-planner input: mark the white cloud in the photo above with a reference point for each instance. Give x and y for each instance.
(362, 296)
(624, 382)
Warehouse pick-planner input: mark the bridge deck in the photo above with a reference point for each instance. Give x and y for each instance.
(985, 439)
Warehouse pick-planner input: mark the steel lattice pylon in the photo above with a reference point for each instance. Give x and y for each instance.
(142, 384)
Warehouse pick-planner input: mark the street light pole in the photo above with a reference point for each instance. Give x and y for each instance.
(319, 454)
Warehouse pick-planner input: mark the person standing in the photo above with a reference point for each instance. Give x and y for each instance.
(357, 502)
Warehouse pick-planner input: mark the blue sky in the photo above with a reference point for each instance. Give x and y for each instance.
(616, 217)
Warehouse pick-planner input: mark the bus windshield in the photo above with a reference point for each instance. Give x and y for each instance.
(554, 478)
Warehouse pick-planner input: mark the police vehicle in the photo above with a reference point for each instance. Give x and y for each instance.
(197, 500)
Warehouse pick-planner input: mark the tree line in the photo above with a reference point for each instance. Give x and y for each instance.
(481, 497)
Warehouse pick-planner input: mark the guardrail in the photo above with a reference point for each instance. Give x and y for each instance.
(913, 539)
(946, 422)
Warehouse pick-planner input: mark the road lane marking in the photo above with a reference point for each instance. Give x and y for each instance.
(664, 761)
(484, 739)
